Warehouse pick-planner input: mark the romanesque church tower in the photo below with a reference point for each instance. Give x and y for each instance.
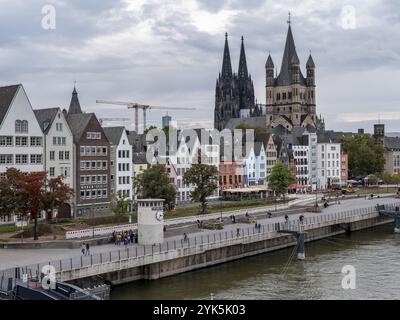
(290, 97)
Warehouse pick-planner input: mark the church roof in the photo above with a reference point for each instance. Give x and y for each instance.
(310, 62)
(269, 62)
(75, 106)
(285, 75)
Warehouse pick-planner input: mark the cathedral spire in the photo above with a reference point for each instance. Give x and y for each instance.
(226, 64)
(74, 106)
(243, 72)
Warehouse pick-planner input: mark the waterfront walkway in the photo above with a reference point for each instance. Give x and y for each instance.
(10, 258)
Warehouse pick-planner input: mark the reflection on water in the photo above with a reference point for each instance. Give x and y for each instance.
(374, 253)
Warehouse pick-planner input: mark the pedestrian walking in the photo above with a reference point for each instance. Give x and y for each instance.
(83, 249)
(185, 237)
(87, 249)
(237, 230)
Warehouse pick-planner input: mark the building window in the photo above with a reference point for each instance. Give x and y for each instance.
(59, 126)
(36, 141)
(61, 155)
(52, 171)
(36, 159)
(21, 159)
(93, 135)
(21, 141)
(66, 155)
(6, 159)
(21, 126)
(6, 141)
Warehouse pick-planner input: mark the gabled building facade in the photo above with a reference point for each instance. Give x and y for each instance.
(21, 138)
(58, 144)
(92, 162)
(121, 163)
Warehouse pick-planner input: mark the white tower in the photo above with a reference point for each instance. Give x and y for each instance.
(150, 221)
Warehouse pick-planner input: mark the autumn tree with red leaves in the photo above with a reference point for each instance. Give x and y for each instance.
(29, 194)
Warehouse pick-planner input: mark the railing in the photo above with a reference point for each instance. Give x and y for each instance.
(134, 251)
(93, 232)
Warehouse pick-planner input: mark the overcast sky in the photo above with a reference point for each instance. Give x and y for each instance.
(169, 53)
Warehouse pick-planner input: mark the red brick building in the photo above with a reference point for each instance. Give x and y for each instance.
(231, 175)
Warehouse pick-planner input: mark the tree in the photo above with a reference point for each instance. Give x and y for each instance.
(34, 193)
(155, 183)
(204, 177)
(257, 129)
(56, 194)
(365, 157)
(9, 202)
(280, 179)
(121, 204)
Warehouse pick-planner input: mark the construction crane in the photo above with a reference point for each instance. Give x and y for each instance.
(137, 106)
(101, 120)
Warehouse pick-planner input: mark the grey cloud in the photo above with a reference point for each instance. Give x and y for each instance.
(180, 66)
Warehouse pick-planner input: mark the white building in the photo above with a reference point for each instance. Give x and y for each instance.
(58, 144)
(187, 154)
(255, 166)
(329, 162)
(21, 138)
(301, 161)
(120, 161)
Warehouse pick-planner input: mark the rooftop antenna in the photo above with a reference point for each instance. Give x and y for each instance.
(289, 20)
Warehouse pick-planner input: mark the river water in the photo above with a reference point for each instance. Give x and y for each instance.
(375, 254)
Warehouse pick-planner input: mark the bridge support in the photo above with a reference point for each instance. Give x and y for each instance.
(397, 226)
(301, 246)
(394, 214)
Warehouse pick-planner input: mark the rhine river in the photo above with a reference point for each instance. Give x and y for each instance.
(375, 254)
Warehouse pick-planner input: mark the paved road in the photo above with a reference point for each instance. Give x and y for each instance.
(10, 258)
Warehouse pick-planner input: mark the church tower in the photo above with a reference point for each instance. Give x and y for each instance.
(226, 92)
(290, 97)
(246, 87)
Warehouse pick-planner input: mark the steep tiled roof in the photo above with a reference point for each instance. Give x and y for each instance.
(45, 117)
(285, 75)
(392, 143)
(78, 123)
(114, 134)
(7, 95)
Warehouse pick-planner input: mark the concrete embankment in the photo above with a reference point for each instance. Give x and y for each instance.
(172, 262)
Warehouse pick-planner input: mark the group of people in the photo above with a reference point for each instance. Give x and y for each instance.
(125, 237)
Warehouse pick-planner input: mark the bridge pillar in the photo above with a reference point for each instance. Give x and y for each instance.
(301, 246)
(397, 223)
